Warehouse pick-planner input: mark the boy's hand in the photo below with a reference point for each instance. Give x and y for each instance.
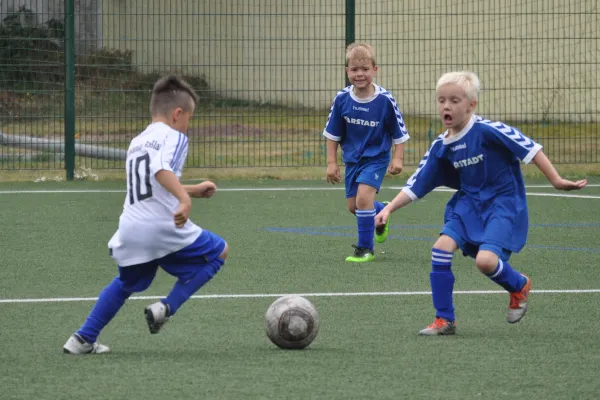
(395, 167)
(205, 190)
(544, 164)
(333, 173)
(182, 214)
(564, 184)
(382, 217)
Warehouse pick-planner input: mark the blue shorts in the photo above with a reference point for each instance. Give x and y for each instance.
(370, 173)
(182, 264)
(471, 249)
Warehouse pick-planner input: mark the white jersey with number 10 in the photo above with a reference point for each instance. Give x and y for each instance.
(147, 230)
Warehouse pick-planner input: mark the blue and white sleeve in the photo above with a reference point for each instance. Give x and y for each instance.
(171, 155)
(428, 175)
(335, 127)
(514, 141)
(396, 122)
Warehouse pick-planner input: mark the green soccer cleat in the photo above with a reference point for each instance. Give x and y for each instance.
(381, 232)
(361, 254)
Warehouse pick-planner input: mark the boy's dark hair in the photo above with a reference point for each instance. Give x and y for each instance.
(171, 92)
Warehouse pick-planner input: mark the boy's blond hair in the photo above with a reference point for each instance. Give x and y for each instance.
(172, 92)
(361, 51)
(465, 79)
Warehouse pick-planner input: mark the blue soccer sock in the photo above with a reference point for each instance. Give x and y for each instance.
(366, 227)
(183, 290)
(507, 277)
(109, 303)
(378, 207)
(442, 284)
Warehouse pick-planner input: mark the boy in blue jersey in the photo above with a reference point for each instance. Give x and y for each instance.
(154, 229)
(365, 120)
(487, 217)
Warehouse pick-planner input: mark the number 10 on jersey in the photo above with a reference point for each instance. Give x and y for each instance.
(139, 172)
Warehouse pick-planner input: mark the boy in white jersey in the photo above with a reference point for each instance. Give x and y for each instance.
(487, 218)
(365, 120)
(154, 229)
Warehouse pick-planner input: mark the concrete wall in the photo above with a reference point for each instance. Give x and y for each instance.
(535, 57)
(243, 53)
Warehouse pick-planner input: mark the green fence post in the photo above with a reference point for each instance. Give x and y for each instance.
(70, 88)
(350, 25)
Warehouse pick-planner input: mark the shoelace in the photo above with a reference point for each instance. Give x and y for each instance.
(515, 300)
(359, 251)
(438, 323)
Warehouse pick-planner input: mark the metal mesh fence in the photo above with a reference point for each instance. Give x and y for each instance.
(31, 84)
(537, 60)
(266, 73)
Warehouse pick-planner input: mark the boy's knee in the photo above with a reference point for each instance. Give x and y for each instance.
(137, 286)
(445, 243)
(486, 261)
(136, 279)
(352, 204)
(364, 204)
(225, 252)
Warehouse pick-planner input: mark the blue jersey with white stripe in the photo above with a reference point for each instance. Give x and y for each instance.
(365, 128)
(483, 163)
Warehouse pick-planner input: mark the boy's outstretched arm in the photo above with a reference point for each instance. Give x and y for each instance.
(170, 182)
(544, 164)
(205, 190)
(333, 169)
(429, 175)
(401, 200)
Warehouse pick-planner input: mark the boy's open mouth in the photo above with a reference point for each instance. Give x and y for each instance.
(447, 118)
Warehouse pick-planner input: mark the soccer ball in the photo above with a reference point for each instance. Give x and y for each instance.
(292, 322)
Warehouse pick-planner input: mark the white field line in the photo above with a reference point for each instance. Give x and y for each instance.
(550, 186)
(282, 189)
(540, 194)
(199, 180)
(59, 191)
(275, 295)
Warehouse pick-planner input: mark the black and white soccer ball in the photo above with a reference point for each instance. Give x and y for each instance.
(292, 322)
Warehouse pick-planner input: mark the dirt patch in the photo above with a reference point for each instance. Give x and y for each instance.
(248, 131)
(228, 130)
